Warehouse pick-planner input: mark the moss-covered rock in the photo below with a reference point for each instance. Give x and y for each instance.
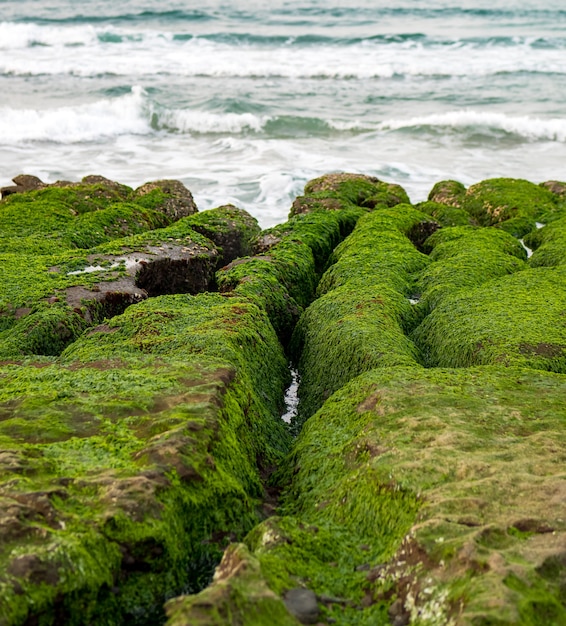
(464, 258)
(428, 497)
(95, 284)
(170, 197)
(549, 244)
(510, 203)
(513, 320)
(282, 276)
(448, 192)
(232, 230)
(127, 462)
(379, 250)
(358, 321)
(238, 594)
(359, 189)
(444, 214)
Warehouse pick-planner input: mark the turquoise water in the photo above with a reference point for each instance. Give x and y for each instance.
(245, 103)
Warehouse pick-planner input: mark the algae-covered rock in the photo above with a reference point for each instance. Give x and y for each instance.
(238, 594)
(512, 204)
(549, 244)
(232, 230)
(448, 192)
(127, 461)
(444, 214)
(282, 276)
(465, 257)
(97, 283)
(432, 496)
(170, 197)
(359, 189)
(513, 320)
(358, 321)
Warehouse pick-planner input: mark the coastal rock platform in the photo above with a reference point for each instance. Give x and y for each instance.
(146, 475)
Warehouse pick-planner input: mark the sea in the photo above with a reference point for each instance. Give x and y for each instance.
(246, 100)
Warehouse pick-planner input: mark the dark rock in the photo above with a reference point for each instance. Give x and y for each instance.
(23, 183)
(302, 604)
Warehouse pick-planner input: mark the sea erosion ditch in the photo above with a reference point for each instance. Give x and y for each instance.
(146, 475)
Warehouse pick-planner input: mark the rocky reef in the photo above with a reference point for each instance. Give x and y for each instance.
(146, 475)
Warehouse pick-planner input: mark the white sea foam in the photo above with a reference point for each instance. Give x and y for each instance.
(71, 124)
(187, 121)
(31, 49)
(523, 126)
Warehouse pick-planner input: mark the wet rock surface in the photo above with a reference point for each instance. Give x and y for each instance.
(145, 474)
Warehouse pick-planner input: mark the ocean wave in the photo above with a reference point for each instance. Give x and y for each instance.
(526, 127)
(95, 121)
(135, 113)
(92, 34)
(204, 58)
(138, 113)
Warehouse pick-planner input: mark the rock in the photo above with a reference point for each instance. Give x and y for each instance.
(302, 604)
(556, 187)
(232, 230)
(23, 184)
(448, 192)
(168, 196)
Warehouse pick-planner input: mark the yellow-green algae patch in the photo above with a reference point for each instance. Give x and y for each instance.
(511, 204)
(429, 496)
(514, 320)
(126, 463)
(358, 322)
(549, 244)
(465, 257)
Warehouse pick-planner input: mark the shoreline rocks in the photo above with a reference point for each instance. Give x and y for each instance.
(144, 355)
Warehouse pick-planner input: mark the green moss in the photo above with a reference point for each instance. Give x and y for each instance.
(448, 192)
(549, 244)
(357, 189)
(239, 595)
(378, 251)
(282, 277)
(464, 258)
(357, 323)
(346, 332)
(320, 230)
(149, 435)
(514, 320)
(498, 200)
(418, 475)
(232, 230)
(444, 214)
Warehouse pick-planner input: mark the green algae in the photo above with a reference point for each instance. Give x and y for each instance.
(410, 465)
(549, 244)
(346, 332)
(448, 192)
(464, 258)
(513, 320)
(232, 230)
(38, 316)
(358, 321)
(511, 203)
(282, 277)
(238, 595)
(358, 189)
(378, 250)
(444, 214)
(150, 435)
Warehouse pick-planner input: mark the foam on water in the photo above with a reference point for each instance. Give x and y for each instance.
(246, 102)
